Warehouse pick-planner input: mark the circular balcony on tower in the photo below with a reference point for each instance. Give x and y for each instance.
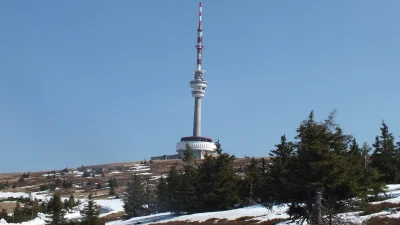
(198, 93)
(198, 84)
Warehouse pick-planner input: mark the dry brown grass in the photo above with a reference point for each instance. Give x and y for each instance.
(211, 220)
(244, 218)
(9, 206)
(375, 208)
(222, 221)
(271, 222)
(383, 221)
(114, 216)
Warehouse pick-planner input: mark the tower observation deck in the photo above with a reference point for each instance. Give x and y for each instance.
(199, 144)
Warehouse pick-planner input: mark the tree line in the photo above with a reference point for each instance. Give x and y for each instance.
(321, 158)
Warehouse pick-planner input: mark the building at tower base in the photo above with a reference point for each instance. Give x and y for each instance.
(200, 146)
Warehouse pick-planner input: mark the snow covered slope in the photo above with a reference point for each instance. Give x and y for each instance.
(258, 212)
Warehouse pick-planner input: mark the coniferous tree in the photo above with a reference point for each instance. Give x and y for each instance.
(71, 201)
(43, 207)
(186, 190)
(252, 187)
(384, 156)
(57, 213)
(322, 150)
(370, 177)
(324, 159)
(22, 214)
(217, 185)
(35, 207)
(355, 158)
(17, 215)
(66, 184)
(366, 178)
(151, 198)
(134, 205)
(263, 166)
(91, 213)
(66, 204)
(112, 191)
(162, 196)
(279, 174)
(172, 184)
(112, 183)
(86, 174)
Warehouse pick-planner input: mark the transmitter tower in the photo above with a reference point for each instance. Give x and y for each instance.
(199, 144)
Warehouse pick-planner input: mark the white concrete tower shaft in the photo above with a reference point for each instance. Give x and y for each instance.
(198, 85)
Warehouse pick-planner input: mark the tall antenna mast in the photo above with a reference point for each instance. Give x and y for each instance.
(199, 45)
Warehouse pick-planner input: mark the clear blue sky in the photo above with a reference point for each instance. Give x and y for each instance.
(87, 82)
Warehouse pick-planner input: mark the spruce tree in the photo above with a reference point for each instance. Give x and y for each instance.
(71, 201)
(18, 214)
(357, 163)
(324, 158)
(188, 155)
(279, 175)
(112, 191)
(264, 166)
(370, 179)
(217, 185)
(312, 162)
(35, 207)
(66, 204)
(112, 183)
(186, 190)
(384, 157)
(134, 205)
(57, 213)
(253, 183)
(163, 204)
(172, 184)
(91, 213)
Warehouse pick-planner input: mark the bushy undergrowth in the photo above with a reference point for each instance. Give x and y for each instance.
(383, 221)
(246, 220)
(20, 199)
(375, 208)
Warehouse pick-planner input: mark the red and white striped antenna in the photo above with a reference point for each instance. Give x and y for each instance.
(199, 45)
